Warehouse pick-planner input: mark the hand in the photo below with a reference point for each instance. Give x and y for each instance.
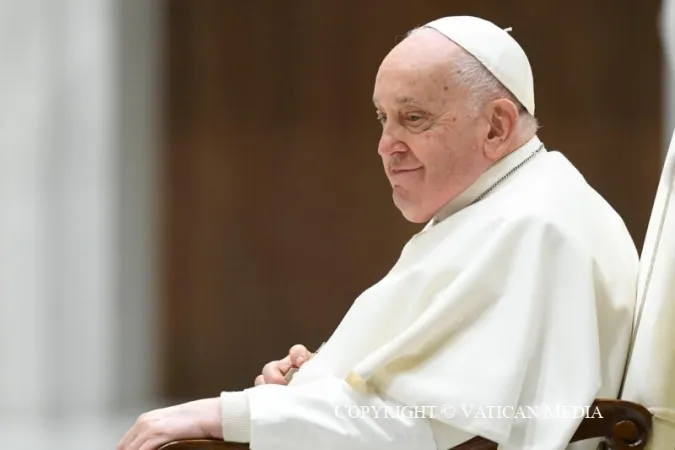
(273, 372)
(194, 420)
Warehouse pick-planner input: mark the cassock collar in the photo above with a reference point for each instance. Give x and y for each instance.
(495, 172)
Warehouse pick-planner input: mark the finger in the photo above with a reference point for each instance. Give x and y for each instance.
(136, 443)
(260, 379)
(273, 374)
(299, 355)
(128, 438)
(122, 444)
(285, 364)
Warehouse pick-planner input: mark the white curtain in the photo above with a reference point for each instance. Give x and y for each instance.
(77, 162)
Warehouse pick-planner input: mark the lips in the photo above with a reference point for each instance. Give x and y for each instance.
(402, 170)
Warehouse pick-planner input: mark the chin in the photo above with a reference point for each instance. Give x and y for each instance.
(416, 217)
(412, 212)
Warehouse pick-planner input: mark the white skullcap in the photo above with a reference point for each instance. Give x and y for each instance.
(495, 49)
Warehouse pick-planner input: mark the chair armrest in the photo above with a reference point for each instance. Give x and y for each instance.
(624, 425)
(203, 444)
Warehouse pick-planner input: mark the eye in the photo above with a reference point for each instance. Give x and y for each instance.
(382, 118)
(414, 118)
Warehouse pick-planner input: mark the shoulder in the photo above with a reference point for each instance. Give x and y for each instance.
(552, 193)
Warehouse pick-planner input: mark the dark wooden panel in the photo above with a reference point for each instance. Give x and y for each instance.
(277, 212)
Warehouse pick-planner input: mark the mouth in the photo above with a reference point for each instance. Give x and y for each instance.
(394, 172)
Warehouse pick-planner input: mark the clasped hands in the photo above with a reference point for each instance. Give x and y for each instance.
(200, 419)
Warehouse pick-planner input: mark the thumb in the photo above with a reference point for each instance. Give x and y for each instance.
(299, 355)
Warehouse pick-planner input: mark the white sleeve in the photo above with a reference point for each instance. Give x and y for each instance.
(326, 414)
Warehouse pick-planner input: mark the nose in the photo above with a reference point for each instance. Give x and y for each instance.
(389, 144)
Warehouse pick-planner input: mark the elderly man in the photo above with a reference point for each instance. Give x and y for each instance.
(508, 312)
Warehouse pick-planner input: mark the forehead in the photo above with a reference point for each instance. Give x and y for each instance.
(409, 87)
(417, 71)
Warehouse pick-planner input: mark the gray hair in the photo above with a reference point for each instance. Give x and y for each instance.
(484, 87)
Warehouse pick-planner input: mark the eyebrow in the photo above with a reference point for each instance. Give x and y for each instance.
(401, 100)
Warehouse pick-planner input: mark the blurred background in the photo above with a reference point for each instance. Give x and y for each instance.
(190, 187)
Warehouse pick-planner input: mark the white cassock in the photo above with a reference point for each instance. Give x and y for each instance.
(515, 310)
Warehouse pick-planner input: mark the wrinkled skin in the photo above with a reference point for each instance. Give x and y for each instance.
(435, 143)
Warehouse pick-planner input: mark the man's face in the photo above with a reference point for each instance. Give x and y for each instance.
(431, 139)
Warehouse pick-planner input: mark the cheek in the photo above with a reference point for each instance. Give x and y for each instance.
(438, 153)
(426, 147)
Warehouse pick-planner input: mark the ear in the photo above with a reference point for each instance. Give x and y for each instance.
(502, 116)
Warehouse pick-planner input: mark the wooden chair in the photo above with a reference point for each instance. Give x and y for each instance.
(644, 418)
